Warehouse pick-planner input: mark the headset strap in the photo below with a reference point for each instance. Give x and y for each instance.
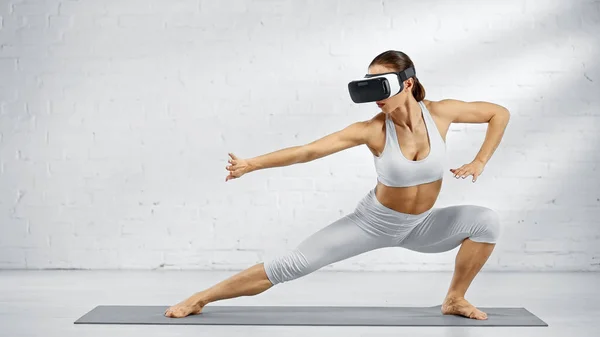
(406, 74)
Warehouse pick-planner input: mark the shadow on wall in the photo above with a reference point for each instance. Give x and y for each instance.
(523, 37)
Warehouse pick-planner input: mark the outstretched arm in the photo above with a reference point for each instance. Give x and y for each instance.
(352, 135)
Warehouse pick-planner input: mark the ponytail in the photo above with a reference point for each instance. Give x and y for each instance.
(418, 90)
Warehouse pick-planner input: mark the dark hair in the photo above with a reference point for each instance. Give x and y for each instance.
(399, 61)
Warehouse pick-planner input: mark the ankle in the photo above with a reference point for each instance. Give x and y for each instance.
(201, 299)
(455, 295)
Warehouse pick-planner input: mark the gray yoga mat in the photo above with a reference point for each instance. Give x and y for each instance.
(304, 315)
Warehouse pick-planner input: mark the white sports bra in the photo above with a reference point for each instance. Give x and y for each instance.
(395, 170)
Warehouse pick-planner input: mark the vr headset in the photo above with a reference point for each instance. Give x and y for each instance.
(380, 86)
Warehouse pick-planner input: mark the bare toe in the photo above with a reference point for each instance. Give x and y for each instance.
(478, 314)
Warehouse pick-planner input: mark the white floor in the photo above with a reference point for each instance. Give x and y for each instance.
(46, 303)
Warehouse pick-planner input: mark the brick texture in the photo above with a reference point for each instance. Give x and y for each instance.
(116, 118)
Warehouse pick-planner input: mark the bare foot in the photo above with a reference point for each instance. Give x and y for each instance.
(460, 306)
(191, 306)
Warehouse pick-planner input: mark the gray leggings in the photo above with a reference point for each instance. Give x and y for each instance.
(372, 226)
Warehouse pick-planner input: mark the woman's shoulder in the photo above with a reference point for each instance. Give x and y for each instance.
(377, 122)
(442, 109)
(374, 125)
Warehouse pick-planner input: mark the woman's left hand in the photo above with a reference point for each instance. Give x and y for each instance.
(474, 168)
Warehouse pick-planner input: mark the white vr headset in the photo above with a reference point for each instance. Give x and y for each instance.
(378, 87)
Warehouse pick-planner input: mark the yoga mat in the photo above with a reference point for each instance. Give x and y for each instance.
(305, 315)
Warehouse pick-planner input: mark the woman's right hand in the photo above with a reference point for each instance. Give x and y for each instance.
(238, 167)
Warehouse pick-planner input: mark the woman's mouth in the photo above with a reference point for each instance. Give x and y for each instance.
(380, 104)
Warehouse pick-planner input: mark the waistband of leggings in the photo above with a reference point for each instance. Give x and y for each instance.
(373, 198)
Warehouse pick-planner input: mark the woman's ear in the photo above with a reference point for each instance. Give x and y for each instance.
(408, 84)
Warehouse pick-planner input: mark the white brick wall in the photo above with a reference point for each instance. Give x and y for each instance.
(117, 117)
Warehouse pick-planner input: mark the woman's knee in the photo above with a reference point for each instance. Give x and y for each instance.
(286, 267)
(488, 227)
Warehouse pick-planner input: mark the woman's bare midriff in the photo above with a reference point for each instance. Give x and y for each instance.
(410, 200)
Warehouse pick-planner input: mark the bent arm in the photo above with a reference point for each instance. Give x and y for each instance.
(497, 117)
(352, 135)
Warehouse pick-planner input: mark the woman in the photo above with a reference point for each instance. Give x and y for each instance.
(407, 140)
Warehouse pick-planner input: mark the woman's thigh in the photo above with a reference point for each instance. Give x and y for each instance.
(337, 241)
(340, 240)
(445, 228)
